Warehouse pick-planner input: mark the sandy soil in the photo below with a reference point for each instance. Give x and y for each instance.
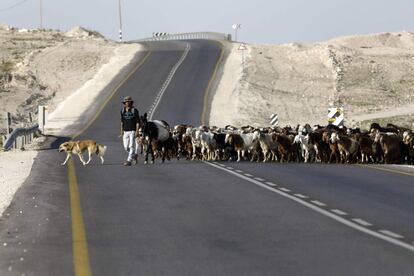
(14, 169)
(369, 76)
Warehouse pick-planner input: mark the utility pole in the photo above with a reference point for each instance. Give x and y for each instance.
(41, 13)
(120, 20)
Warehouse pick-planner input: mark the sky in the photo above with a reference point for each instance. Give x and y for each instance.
(262, 21)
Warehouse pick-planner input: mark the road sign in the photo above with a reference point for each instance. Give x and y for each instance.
(336, 116)
(274, 119)
(242, 47)
(236, 26)
(155, 34)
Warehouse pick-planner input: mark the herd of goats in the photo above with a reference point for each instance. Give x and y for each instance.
(326, 144)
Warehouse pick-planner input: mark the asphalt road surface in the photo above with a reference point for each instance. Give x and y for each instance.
(196, 218)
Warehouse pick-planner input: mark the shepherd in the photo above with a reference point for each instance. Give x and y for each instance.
(129, 124)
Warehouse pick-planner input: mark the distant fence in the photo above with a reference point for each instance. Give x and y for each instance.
(188, 36)
(20, 137)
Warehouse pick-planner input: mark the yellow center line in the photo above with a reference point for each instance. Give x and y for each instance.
(207, 92)
(385, 169)
(112, 94)
(79, 241)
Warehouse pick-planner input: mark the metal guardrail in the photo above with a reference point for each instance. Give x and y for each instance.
(20, 137)
(188, 36)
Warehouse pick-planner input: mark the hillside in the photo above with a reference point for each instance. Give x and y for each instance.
(369, 76)
(43, 67)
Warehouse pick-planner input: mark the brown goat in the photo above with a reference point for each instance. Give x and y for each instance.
(390, 145)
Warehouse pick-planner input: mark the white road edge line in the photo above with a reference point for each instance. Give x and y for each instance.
(301, 196)
(271, 184)
(248, 175)
(239, 171)
(318, 203)
(337, 218)
(362, 222)
(167, 81)
(339, 212)
(391, 234)
(259, 179)
(284, 189)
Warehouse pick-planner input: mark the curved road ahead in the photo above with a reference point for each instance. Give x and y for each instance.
(196, 218)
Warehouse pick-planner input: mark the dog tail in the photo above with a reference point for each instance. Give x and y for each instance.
(101, 149)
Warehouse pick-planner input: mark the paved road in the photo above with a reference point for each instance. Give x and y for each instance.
(193, 218)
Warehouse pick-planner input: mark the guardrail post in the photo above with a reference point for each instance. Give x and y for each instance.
(42, 117)
(20, 142)
(8, 122)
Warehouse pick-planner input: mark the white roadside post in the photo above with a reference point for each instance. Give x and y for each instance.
(242, 48)
(274, 120)
(42, 118)
(8, 122)
(7, 118)
(235, 28)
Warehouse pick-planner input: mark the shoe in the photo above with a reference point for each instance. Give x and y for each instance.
(135, 159)
(127, 163)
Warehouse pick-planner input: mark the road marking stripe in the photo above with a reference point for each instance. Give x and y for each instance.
(339, 212)
(239, 171)
(271, 184)
(318, 203)
(362, 222)
(284, 189)
(259, 179)
(79, 241)
(301, 196)
(207, 92)
(326, 213)
(248, 175)
(168, 81)
(112, 95)
(230, 168)
(391, 234)
(384, 169)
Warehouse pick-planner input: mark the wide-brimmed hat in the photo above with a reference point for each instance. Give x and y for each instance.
(127, 99)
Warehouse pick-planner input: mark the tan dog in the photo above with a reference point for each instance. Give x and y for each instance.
(78, 147)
